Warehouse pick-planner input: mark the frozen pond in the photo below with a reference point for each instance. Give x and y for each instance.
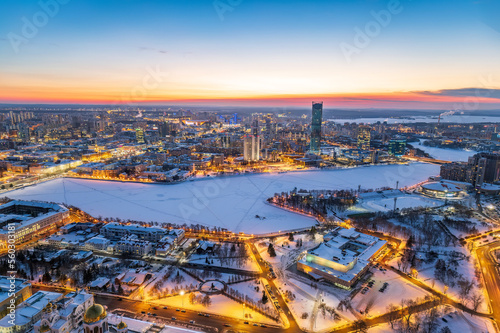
(236, 203)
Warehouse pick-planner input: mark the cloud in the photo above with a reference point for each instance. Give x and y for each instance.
(152, 50)
(464, 92)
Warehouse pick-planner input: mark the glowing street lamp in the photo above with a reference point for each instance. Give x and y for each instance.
(182, 295)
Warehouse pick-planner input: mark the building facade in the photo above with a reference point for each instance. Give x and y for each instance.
(317, 119)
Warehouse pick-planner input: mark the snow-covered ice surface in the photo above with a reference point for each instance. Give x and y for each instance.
(446, 154)
(461, 119)
(237, 203)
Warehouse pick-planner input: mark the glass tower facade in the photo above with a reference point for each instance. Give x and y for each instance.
(317, 117)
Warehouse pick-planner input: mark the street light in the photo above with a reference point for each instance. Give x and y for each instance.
(182, 295)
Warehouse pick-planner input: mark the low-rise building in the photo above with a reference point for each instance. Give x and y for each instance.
(24, 220)
(342, 258)
(116, 231)
(134, 246)
(12, 291)
(28, 312)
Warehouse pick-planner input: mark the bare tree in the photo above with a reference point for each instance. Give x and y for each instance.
(476, 299)
(393, 314)
(359, 326)
(430, 320)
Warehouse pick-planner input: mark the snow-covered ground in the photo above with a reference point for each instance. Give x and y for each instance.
(236, 203)
(307, 301)
(376, 302)
(456, 322)
(220, 305)
(445, 154)
(246, 264)
(384, 202)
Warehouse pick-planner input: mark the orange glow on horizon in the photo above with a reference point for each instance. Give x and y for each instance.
(358, 100)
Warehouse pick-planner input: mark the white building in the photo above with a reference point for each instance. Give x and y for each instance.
(65, 315)
(98, 243)
(343, 258)
(116, 231)
(133, 246)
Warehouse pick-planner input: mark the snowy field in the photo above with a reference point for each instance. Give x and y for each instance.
(445, 154)
(236, 203)
(375, 303)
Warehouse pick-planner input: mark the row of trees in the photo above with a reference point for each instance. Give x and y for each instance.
(200, 299)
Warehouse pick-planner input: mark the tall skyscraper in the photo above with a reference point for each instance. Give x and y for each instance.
(251, 144)
(317, 118)
(139, 135)
(364, 137)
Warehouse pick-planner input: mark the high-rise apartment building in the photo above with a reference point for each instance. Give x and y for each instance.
(364, 137)
(251, 144)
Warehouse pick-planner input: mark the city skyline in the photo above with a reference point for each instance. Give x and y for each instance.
(381, 54)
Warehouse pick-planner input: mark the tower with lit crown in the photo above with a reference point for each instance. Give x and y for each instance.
(317, 119)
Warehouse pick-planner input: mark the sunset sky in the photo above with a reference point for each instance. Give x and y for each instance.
(270, 52)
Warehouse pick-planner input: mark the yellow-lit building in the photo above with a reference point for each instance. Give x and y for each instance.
(20, 221)
(342, 258)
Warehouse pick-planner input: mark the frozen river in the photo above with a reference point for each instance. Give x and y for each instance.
(236, 203)
(446, 154)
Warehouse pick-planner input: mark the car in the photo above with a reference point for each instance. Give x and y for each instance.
(173, 318)
(191, 321)
(177, 310)
(143, 312)
(255, 324)
(149, 313)
(207, 315)
(165, 307)
(200, 314)
(245, 322)
(262, 325)
(183, 311)
(154, 314)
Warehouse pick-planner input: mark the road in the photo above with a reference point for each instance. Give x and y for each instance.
(291, 324)
(135, 309)
(491, 277)
(444, 298)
